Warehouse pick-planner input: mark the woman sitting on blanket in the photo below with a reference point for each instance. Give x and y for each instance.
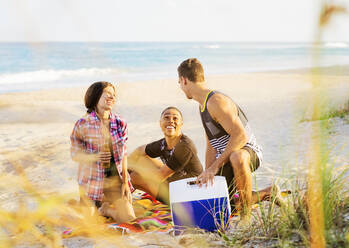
(177, 153)
(98, 144)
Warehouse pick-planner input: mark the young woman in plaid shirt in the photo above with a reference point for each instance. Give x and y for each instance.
(98, 144)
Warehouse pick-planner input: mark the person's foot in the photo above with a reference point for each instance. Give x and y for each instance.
(274, 195)
(103, 210)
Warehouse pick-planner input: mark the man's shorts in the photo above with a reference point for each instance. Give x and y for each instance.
(228, 172)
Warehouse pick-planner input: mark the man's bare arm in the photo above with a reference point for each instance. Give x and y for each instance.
(210, 156)
(224, 111)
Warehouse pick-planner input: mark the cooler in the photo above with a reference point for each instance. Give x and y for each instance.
(206, 208)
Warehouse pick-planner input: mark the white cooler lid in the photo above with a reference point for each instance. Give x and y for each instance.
(183, 191)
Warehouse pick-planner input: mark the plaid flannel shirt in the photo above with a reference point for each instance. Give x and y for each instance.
(87, 137)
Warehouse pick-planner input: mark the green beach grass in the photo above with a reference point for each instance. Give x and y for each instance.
(289, 224)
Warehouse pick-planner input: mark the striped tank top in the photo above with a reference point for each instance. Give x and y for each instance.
(219, 138)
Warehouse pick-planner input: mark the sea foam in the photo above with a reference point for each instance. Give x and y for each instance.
(55, 75)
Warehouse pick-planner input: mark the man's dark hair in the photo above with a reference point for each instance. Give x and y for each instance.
(171, 107)
(94, 93)
(191, 69)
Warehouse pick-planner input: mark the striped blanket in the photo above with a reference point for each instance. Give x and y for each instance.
(152, 216)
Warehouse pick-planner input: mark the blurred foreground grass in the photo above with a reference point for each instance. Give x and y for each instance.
(40, 218)
(289, 225)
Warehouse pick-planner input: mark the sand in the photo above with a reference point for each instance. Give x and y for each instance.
(35, 126)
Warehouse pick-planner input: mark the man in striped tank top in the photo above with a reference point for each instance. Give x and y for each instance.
(232, 150)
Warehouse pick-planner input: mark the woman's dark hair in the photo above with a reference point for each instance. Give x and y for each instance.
(94, 93)
(171, 107)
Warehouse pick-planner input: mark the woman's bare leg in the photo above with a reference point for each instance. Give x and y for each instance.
(114, 205)
(121, 210)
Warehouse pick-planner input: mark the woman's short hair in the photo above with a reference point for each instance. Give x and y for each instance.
(94, 93)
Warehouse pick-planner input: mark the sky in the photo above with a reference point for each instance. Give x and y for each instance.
(167, 20)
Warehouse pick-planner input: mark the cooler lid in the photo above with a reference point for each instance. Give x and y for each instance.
(186, 190)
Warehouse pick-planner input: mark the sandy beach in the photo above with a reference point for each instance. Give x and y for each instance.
(35, 126)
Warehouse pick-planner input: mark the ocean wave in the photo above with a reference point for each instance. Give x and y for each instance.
(336, 44)
(281, 46)
(55, 75)
(116, 49)
(291, 46)
(212, 46)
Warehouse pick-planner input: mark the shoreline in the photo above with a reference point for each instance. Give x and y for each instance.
(338, 70)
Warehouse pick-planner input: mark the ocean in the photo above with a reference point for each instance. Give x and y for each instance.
(34, 66)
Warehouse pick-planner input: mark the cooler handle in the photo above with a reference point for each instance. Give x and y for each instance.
(192, 183)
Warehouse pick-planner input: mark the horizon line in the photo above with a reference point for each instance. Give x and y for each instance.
(167, 41)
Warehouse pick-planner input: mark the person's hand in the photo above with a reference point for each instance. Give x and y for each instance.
(126, 192)
(207, 177)
(104, 157)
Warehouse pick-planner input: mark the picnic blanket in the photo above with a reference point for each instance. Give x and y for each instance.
(152, 216)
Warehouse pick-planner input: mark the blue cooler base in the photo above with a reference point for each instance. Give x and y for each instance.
(207, 214)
